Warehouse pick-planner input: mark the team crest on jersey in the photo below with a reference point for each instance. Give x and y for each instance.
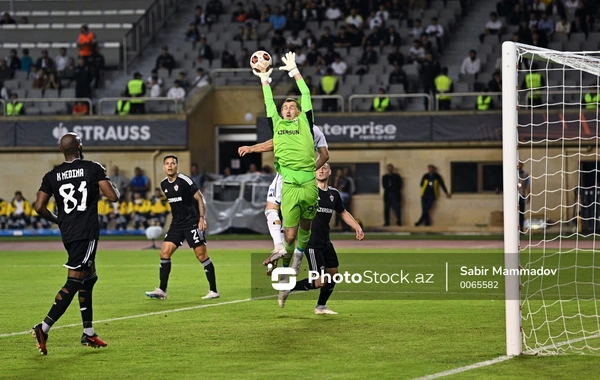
(331, 197)
(295, 120)
(176, 187)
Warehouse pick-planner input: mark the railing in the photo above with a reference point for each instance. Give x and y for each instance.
(373, 96)
(464, 95)
(522, 94)
(101, 102)
(51, 100)
(146, 28)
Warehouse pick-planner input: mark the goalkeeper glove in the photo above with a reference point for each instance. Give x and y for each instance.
(290, 64)
(264, 77)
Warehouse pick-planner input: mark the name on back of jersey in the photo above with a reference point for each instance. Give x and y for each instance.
(68, 174)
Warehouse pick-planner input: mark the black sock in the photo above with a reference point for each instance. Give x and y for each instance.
(85, 300)
(63, 299)
(326, 291)
(209, 270)
(304, 285)
(165, 270)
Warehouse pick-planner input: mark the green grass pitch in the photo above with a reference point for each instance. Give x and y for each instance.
(237, 338)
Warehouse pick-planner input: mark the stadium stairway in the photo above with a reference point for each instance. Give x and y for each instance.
(466, 36)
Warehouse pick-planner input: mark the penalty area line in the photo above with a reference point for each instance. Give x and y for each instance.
(145, 314)
(454, 371)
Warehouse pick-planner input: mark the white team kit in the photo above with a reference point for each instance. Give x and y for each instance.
(274, 194)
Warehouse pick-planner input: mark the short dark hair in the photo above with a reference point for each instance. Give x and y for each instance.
(289, 100)
(173, 157)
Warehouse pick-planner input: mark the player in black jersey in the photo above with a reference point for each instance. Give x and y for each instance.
(320, 252)
(189, 223)
(75, 185)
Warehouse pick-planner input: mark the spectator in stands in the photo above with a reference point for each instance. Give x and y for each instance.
(123, 108)
(68, 74)
(165, 60)
(579, 26)
(196, 176)
(97, 65)
(326, 40)
(45, 62)
(571, 6)
(139, 211)
(311, 87)
(504, 7)
(339, 67)
(85, 41)
(253, 13)
(293, 41)
(313, 55)
(333, 12)
(383, 13)
(201, 18)
(183, 81)
(202, 79)
(524, 32)
(296, 22)
(416, 53)
(557, 8)
(4, 94)
(205, 51)
(444, 85)
(289, 9)
(342, 39)
(277, 41)
(228, 61)
(81, 108)
(436, 30)
(52, 83)
(19, 211)
(392, 38)
(308, 39)
(495, 85)
(176, 92)
(429, 70)
(155, 90)
(534, 81)
(83, 79)
(154, 75)
(398, 76)
(374, 21)
(329, 86)
(538, 6)
(159, 208)
(398, 10)
(355, 19)
(515, 15)
(492, 28)
(61, 61)
(249, 33)
(471, 65)
(546, 25)
(119, 180)
(369, 56)
(395, 56)
(6, 19)
(192, 34)
(355, 35)
(38, 78)
(417, 29)
(381, 103)
(239, 14)
(139, 183)
(214, 9)
(538, 39)
(13, 61)
(277, 20)
(26, 61)
(311, 11)
(6, 73)
(589, 22)
(533, 20)
(136, 88)
(14, 107)
(300, 56)
(484, 100)
(239, 35)
(329, 57)
(265, 14)
(426, 43)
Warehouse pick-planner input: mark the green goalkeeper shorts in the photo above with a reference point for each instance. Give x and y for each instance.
(299, 201)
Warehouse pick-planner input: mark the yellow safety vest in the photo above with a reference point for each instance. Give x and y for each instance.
(533, 80)
(134, 87)
(591, 101)
(14, 110)
(123, 107)
(483, 102)
(328, 82)
(443, 84)
(380, 105)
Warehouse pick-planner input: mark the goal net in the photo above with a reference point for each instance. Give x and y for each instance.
(551, 199)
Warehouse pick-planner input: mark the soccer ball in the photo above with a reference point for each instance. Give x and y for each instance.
(261, 61)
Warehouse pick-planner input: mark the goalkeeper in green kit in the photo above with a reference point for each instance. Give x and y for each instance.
(293, 145)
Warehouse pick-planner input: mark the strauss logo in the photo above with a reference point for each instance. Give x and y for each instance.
(59, 131)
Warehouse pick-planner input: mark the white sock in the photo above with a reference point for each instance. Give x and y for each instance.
(89, 331)
(45, 327)
(274, 228)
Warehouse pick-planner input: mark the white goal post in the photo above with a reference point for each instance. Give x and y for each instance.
(550, 130)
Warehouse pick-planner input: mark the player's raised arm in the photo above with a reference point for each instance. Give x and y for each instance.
(290, 66)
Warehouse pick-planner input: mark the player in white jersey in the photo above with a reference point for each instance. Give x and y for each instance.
(274, 193)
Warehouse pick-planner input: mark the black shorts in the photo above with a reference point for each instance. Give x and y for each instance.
(193, 236)
(82, 254)
(321, 257)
